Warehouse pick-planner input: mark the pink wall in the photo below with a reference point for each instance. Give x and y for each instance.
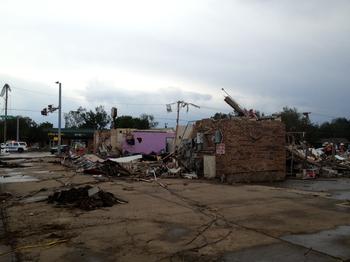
(151, 142)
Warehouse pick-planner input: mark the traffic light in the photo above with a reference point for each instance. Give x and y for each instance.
(50, 108)
(44, 112)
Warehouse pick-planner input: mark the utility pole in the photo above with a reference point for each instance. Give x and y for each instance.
(59, 115)
(177, 122)
(17, 136)
(179, 105)
(4, 91)
(5, 123)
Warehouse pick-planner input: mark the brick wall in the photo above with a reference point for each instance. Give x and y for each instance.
(254, 150)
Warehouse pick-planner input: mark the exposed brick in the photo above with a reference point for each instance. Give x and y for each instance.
(254, 150)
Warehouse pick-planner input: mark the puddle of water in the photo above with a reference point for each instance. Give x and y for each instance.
(176, 233)
(341, 195)
(335, 242)
(275, 252)
(338, 188)
(17, 179)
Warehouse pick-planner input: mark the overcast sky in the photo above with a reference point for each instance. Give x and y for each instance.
(140, 55)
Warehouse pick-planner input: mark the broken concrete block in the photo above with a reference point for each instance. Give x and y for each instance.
(92, 191)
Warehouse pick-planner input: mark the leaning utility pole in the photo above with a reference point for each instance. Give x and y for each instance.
(179, 105)
(4, 91)
(177, 121)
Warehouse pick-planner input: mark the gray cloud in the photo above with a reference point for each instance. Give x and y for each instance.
(136, 102)
(268, 54)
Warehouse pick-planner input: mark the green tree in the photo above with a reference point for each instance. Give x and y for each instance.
(150, 119)
(74, 119)
(298, 122)
(46, 125)
(218, 116)
(143, 122)
(81, 118)
(294, 120)
(98, 119)
(29, 130)
(337, 128)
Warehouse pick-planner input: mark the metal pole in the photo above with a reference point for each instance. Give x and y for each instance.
(5, 124)
(59, 116)
(177, 123)
(17, 137)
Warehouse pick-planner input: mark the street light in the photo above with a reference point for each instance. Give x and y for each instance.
(59, 116)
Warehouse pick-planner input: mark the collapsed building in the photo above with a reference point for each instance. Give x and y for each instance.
(241, 148)
(236, 150)
(127, 141)
(110, 141)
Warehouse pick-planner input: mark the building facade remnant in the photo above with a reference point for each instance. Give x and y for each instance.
(245, 150)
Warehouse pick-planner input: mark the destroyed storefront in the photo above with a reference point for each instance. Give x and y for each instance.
(114, 141)
(236, 150)
(110, 141)
(148, 142)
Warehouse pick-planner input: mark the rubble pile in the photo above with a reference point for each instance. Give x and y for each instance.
(318, 162)
(122, 166)
(92, 164)
(82, 163)
(4, 164)
(110, 168)
(86, 198)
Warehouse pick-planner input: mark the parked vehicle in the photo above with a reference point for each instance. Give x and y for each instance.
(64, 149)
(3, 149)
(16, 146)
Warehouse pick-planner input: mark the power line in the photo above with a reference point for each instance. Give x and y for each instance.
(34, 91)
(115, 103)
(80, 98)
(172, 119)
(137, 104)
(24, 110)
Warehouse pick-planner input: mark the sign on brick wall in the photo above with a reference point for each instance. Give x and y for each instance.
(220, 149)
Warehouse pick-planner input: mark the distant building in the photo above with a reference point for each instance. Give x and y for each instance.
(72, 136)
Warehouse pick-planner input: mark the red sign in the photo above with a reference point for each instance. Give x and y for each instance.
(220, 149)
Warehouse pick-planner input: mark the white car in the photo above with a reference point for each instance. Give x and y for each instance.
(16, 146)
(3, 149)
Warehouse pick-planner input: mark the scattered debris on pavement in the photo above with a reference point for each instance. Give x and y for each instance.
(4, 196)
(5, 164)
(86, 198)
(131, 166)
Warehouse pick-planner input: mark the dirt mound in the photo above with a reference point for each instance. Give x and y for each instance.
(86, 198)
